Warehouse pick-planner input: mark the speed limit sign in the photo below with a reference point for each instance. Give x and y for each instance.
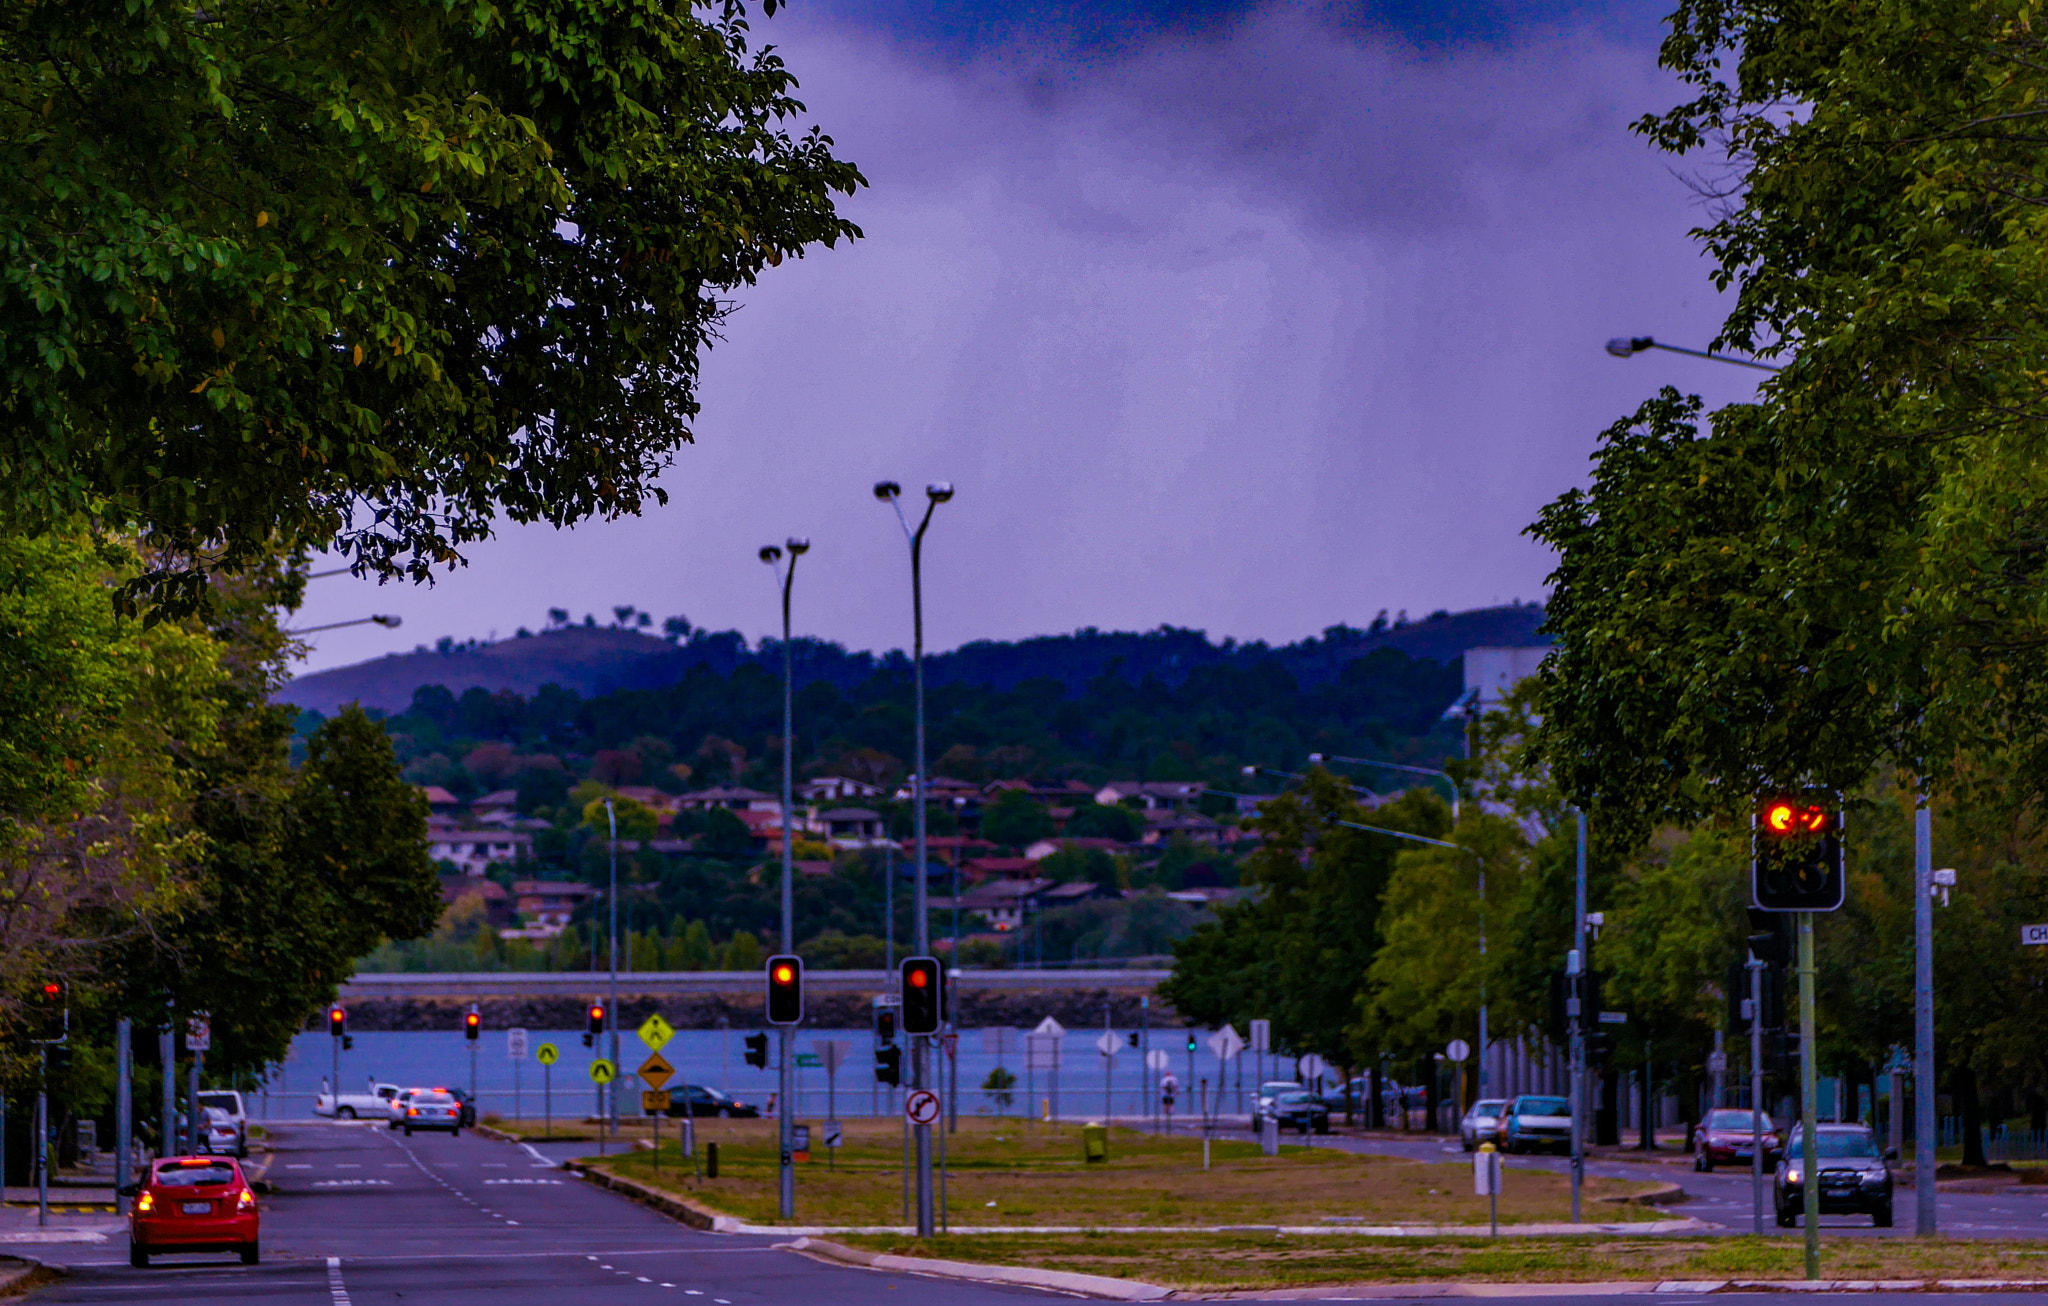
(921, 1106)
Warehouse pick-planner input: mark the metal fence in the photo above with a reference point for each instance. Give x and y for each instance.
(2000, 1144)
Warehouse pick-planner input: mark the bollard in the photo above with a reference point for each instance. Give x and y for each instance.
(1269, 1135)
(711, 1160)
(1095, 1143)
(1486, 1181)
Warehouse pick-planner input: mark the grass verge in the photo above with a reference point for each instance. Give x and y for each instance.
(1015, 1173)
(1225, 1262)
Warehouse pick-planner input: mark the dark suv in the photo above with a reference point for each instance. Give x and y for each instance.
(1853, 1175)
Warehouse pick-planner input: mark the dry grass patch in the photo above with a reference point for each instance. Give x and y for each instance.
(1018, 1173)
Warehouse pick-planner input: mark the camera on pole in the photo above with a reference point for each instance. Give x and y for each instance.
(1796, 855)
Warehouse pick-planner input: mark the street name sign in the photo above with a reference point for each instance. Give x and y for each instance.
(2034, 935)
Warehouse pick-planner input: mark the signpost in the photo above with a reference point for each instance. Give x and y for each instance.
(547, 1054)
(515, 1047)
(602, 1072)
(1108, 1045)
(832, 1054)
(921, 1106)
(1044, 1047)
(1260, 1032)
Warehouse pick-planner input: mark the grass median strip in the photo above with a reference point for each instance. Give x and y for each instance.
(1247, 1261)
(1013, 1172)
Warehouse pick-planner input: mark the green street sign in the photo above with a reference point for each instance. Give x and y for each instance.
(807, 1059)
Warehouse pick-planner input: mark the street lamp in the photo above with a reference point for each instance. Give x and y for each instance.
(1629, 346)
(390, 621)
(891, 493)
(611, 1013)
(786, 576)
(1321, 758)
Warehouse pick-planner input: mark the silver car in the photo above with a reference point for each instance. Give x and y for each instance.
(1481, 1124)
(430, 1108)
(229, 1103)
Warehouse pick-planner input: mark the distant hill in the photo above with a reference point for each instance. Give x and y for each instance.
(600, 660)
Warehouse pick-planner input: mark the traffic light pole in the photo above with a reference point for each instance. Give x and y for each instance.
(1577, 1015)
(1923, 1022)
(1756, 1093)
(786, 1068)
(1809, 1143)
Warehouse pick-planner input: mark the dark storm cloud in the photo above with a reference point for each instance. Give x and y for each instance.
(1249, 319)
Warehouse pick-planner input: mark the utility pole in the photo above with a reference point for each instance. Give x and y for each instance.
(937, 493)
(1923, 1020)
(167, 1058)
(611, 1012)
(124, 1110)
(1809, 1171)
(1576, 1014)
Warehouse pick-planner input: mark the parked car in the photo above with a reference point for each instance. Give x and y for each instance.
(192, 1204)
(432, 1108)
(1533, 1123)
(707, 1101)
(1482, 1123)
(229, 1102)
(373, 1105)
(218, 1134)
(1302, 1110)
(1854, 1176)
(1728, 1137)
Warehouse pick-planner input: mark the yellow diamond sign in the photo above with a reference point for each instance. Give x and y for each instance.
(654, 1031)
(654, 1072)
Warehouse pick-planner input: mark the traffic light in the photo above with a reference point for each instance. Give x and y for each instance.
(337, 1021)
(757, 1051)
(52, 1016)
(885, 1026)
(472, 1024)
(889, 1064)
(923, 999)
(1191, 1040)
(1132, 1038)
(1599, 1046)
(1796, 857)
(785, 990)
(596, 1024)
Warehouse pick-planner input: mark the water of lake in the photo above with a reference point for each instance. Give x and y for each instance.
(1077, 1089)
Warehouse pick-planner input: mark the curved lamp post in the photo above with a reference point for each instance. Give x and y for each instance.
(1629, 346)
(1320, 758)
(387, 620)
(785, 1117)
(891, 493)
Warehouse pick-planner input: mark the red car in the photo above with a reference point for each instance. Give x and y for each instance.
(192, 1204)
(1728, 1136)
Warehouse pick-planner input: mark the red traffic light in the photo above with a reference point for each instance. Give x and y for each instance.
(918, 977)
(597, 1017)
(53, 990)
(1784, 817)
(785, 990)
(471, 1024)
(785, 973)
(922, 1003)
(337, 1021)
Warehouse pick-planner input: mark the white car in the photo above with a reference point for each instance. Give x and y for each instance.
(373, 1105)
(430, 1108)
(229, 1103)
(1482, 1123)
(221, 1136)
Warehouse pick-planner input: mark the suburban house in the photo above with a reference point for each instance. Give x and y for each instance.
(1045, 848)
(1148, 795)
(496, 804)
(439, 801)
(734, 798)
(856, 825)
(475, 851)
(1161, 826)
(837, 789)
(978, 870)
(546, 906)
(1003, 903)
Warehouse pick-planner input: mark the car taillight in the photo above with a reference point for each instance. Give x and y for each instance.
(246, 1201)
(145, 1203)
(412, 1110)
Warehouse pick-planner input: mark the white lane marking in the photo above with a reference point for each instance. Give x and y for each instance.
(643, 1278)
(335, 1286)
(535, 1154)
(668, 1285)
(352, 1183)
(494, 1165)
(556, 1182)
(302, 1165)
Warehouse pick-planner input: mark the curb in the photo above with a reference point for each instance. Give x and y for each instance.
(676, 1208)
(1639, 1287)
(1091, 1285)
(1664, 1194)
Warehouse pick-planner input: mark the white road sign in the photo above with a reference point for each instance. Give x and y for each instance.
(2034, 934)
(1312, 1067)
(1225, 1043)
(1262, 1035)
(1109, 1044)
(1458, 1049)
(199, 1033)
(834, 1134)
(1717, 1063)
(515, 1043)
(1044, 1051)
(1051, 1027)
(1157, 1059)
(921, 1106)
(832, 1053)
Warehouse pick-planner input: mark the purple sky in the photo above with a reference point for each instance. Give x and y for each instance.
(1255, 323)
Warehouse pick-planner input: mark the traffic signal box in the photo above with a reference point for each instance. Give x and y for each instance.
(757, 1051)
(596, 1025)
(1796, 856)
(337, 1021)
(785, 990)
(889, 1065)
(52, 1018)
(924, 1001)
(472, 1024)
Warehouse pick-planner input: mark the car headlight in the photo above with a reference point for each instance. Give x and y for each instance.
(1792, 1176)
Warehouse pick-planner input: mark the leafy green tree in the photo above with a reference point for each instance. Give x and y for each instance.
(1015, 819)
(636, 819)
(725, 835)
(376, 272)
(1105, 821)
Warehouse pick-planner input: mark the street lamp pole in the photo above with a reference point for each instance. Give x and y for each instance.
(1924, 1224)
(786, 1071)
(891, 493)
(388, 621)
(1629, 346)
(1449, 783)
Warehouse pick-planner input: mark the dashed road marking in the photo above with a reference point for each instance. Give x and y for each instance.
(335, 1287)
